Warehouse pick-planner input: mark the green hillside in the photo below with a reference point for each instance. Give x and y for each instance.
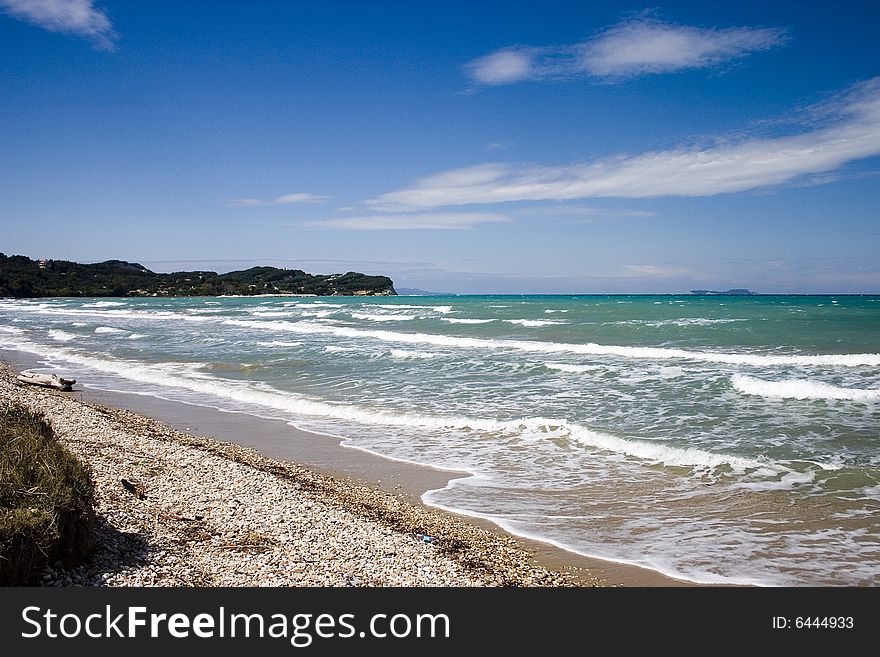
(22, 277)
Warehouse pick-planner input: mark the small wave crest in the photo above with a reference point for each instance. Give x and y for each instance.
(590, 348)
(532, 323)
(801, 389)
(383, 318)
(683, 321)
(572, 369)
(412, 355)
(104, 304)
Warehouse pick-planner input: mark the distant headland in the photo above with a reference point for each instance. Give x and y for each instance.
(738, 292)
(21, 277)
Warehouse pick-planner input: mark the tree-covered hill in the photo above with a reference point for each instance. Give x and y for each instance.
(25, 278)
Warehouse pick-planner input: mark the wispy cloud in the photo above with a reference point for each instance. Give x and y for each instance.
(647, 46)
(724, 166)
(423, 221)
(654, 271)
(498, 145)
(639, 46)
(286, 199)
(77, 17)
(582, 211)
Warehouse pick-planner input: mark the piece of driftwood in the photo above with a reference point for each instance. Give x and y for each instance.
(47, 381)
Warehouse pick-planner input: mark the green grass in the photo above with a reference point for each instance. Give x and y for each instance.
(46, 499)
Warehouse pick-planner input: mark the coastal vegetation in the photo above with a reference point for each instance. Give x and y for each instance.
(22, 277)
(46, 499)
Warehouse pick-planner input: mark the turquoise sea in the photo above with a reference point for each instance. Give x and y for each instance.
(716, 439)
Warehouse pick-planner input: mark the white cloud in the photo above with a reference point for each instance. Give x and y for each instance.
(726, 166)
(286, 199)
(636, 47)
(77, 17)
(646, 46)
(503, 66)
(423, 221)
(300, 197)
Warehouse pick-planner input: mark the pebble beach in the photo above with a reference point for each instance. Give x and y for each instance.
(193, 511)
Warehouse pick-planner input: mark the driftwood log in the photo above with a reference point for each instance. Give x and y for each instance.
(47, 381)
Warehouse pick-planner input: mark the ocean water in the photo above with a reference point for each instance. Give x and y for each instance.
(714, 439)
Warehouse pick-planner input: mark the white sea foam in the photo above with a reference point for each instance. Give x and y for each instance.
(61, 336)
(279, 343)
(109, 329)
(411, 355)
(317, 313)
(104, 304)
(396, 306)
(11, 329)
(552, 310)
(657, 452)
(383, 318)
(457, 320)
(590, 348)
(136, 336)
(535, 322)
(334, 349)
(271, 313)
(788, 481)
(683, 321)
(801, 389)
(572, 369)
(150, 315)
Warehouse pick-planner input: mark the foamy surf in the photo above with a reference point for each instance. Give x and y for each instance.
(412, 355)
(801, 389)
(591, 349)
(189, 377)
(383, 318)
(573, 369)
(534, 323)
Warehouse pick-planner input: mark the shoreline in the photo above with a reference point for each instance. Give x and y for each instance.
(277, 439)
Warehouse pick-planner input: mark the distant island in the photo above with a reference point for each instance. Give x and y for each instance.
(21, 277)
(738, 292)
(416, 292)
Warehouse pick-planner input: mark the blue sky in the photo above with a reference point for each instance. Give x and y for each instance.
(458, 146)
